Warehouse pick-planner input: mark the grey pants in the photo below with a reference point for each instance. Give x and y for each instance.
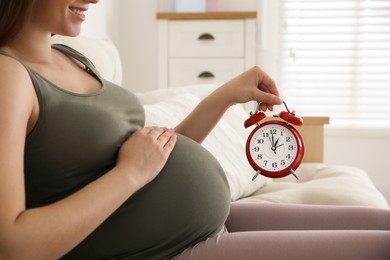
(278, 231)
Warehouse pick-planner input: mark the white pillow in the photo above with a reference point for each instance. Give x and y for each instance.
(224, 142)
(157, 95)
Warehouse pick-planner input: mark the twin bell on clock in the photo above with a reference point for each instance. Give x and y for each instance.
(274, 148)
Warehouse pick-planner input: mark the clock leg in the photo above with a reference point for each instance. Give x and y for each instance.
(255, 176)
(293, 173)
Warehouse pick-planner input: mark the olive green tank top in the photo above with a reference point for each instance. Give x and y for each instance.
(76, 140)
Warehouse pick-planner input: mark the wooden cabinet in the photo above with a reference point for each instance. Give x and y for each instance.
(196, 48)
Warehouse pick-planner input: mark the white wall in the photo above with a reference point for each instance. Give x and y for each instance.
(131, 24)
(102, 21)
(139, 44)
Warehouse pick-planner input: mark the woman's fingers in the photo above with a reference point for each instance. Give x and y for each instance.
(161, 134)
(171, 143)
(165, 136)
(268, 100)
(145, 152)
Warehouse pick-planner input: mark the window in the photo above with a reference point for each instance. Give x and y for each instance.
(334, 59)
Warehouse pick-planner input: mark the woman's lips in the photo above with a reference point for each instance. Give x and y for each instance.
(78, 12)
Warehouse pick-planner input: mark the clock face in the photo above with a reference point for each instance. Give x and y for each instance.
(274, 148)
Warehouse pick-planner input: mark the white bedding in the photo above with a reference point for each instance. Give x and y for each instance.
(323, 184)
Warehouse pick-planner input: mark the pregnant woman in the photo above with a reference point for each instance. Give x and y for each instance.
(82, 178)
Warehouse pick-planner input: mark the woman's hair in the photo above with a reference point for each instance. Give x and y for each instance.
(13, 14)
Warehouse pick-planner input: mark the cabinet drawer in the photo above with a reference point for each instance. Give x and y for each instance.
(203, 71)
(221, 38)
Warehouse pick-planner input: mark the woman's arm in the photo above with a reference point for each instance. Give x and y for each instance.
(51, 231)
(253, 84)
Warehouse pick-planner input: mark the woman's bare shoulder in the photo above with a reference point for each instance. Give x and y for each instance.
(13, 75)
(16, 88)
(11, 68)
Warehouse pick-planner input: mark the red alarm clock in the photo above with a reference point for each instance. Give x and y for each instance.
(274, 148)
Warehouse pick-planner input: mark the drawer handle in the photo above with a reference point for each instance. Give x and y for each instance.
(206, 37)
(206, 74)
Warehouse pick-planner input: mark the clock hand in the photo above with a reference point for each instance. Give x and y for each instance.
(276, 143)
(279, 145)
(273, 143)
(273, 148)
(270, 141)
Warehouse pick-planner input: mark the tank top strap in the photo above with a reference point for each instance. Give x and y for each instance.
(5, 53)
(63, 48)
(77, 55)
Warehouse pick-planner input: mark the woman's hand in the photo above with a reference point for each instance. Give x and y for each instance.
(145, 152)
(252, 85)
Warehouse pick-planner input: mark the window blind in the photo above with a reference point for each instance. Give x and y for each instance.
(335, 60)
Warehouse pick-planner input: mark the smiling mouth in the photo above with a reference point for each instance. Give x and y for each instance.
(78, 12)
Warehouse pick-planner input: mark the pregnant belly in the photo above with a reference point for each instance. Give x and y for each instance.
(187, 202)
